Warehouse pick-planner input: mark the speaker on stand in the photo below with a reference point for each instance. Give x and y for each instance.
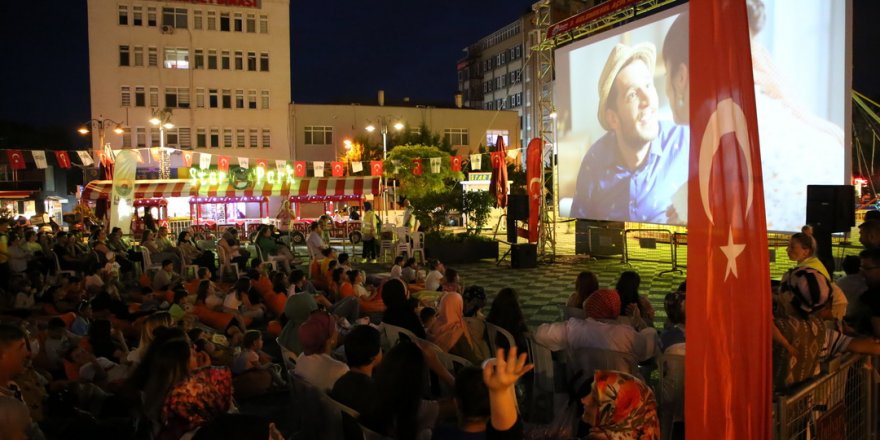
(830, 209)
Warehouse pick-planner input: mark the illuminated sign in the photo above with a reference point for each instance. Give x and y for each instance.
(258, 176)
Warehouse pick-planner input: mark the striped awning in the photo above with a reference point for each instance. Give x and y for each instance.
(321, 186)
(15, 194)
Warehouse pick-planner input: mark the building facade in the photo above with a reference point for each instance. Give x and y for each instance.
(320, 130)
(221, 67)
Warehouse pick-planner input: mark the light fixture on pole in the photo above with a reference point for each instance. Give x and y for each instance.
(383, 122)
(162, 119)
(100, 124)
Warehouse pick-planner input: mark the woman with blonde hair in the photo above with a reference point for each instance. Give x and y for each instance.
(151, 323)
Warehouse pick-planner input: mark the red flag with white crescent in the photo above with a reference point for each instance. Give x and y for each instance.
(188, 159)
(728, 386)
(417, 167)
(63, 159)
(16, 159)
(534, 168)
(263, 163)
(376, 168)
(496, 159)
(455, 163)
(299, 168)
(338, 170)
(223, 163)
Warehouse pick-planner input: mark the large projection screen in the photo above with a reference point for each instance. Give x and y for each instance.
(628, 160)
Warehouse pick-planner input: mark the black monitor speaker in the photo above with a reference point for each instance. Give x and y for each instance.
(523, 256)
(831, 208)
(518, 207)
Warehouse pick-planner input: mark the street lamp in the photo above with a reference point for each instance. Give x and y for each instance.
(100, 124)
(162, 119)
(383, 122)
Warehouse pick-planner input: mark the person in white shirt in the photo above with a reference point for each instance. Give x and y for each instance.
(397, 269)
(435, 275)
(314, 242)
(317, 338)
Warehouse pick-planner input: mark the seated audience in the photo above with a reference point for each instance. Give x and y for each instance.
(362, 354)
(317, 337)
(450, 332)
(620, 406)
(672, 338)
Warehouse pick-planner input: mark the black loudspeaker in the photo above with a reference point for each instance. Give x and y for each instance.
(518, 207)
(523, 256)
(831, 207)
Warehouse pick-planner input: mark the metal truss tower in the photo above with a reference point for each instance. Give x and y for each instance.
(545, 119)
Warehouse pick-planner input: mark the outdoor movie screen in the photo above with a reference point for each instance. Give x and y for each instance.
(623, 123)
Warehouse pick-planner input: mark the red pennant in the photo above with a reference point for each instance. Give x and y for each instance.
(299, 168)
(417, 167)
(262, 163)
(63, 159)
(16, 159)
(455, 163)
(223, 163)
(188, 159)
(376, 168)
(497, 160)
(338, 169)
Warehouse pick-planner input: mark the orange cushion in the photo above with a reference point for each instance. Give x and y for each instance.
(274, 329)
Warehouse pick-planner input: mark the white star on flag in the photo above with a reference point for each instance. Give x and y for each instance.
(731, 251)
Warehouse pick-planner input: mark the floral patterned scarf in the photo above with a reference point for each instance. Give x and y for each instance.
(626, 409)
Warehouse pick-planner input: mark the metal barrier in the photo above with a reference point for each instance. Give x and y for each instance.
(838, 405)
(650, 245)
(679, 250)
(175, 226)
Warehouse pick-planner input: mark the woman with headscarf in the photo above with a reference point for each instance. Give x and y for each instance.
(399, 310)
(297, 310)
(449, 330)
(620, 407)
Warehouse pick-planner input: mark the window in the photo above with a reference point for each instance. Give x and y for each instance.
(212, 20)
(200, 97)
(171, 136)
(126, 137)
(177, 97)
(252, 99)
(176, 58)
(123, 15)
(154, 96)
(184, 137)
(264, 24)
(227, 98)
(213, 101)
(239, 138)
(224, 22)
(215, 138)
(252, 137)
(251, 24)
(140, 97)
(197, 20)
(140, 136)
(137, 15)
(151, 16)
(238, 22)
(252, 61)
(199, 59)
(318, 135)
(139, 56)
(227, 138)
(239, 98)
(264, 62)
(154, 136)
(266, 138)
(224, 60)
(212, 59)
(456, 136)
(174, 17)
(201, 138)
(126, 96)
(239, 60)
(264, 99)
(492, 136)
(124, 56)
(152, 57)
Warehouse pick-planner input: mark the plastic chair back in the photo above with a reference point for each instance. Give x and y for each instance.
(670, 391)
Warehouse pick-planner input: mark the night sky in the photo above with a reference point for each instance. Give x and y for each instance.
(342, 51)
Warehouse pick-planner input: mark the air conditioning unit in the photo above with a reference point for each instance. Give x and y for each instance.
(167, 29)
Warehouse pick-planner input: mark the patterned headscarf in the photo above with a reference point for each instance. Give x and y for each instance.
(602, 304)
(625, 407)
(449, 326)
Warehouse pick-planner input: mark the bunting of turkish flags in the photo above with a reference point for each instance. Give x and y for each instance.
(299, 168)
(63, 159)
(262, 163)
(187, 159)
(223, 163)
(728, 386)
(455, 163)
(497, 159)
(376, 168)
(338, 170)
(417, 167)
(16, 159)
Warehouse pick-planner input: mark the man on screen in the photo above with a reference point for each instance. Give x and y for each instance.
(634, 170)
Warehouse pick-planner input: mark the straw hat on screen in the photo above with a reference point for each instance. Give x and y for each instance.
(620, 56)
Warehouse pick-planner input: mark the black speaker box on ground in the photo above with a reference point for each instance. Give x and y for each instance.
(831, 207)
(518, 207)
(524, 256)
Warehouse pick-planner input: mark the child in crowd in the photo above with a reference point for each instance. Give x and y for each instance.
(397, 269)
(80, 325)
(427, 317)
(252, 355)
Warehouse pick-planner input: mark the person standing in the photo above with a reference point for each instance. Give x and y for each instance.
(369, 230)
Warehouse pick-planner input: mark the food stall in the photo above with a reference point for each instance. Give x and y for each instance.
(157, 207)
(343, 228)
(217, 213)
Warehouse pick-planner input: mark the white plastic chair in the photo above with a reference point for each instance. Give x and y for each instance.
(670, 392)
(391, 335)
(265, 258)
(587, 360)
(418, 245)
(148, 260)
(225, 261)
(492, 332)
(288, 357)
(58, 270)
(402, 245)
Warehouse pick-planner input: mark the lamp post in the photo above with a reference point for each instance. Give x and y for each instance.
(162, 119)
(383, 122)
(100, 124)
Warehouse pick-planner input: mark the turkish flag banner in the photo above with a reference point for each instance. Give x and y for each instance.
(187, 159)
(376, 168)
(223, 163)
(417, 167)
(535, 188)
(497, 158)
(299, 168)
(63, 159)
(337, 169)
(262, 163)
(455, 163)
(728, 388)
(16, 159)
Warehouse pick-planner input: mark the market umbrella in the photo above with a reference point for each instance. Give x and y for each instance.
(498, 183)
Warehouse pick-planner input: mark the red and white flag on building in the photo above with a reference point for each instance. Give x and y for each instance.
(109, 155)
(337, 169)
(187, 159)
(417, 167)
(63, 159)
(204, 160)
(299, 168)
(223, 163)
(16, 159)
(243, 162)
(728, 388)
(40, 159)
(319, 169)
(376, 168)
(263, 163)
(497, 158)
(455, 163)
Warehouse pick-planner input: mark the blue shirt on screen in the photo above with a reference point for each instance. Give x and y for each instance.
(608, 190)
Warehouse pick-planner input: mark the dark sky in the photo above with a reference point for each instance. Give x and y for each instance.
(342, 51)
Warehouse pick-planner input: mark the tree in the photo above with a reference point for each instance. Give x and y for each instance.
(400, 165)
